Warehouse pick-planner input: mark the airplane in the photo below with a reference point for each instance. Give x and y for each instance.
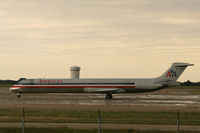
(102, 85)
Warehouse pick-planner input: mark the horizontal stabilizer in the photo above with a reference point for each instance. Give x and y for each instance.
(177, 64)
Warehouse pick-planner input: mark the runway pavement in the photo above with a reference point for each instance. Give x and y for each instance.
(157, 98)
(99, 99)
(169, 99)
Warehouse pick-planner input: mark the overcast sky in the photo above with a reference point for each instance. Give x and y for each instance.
(107, 38)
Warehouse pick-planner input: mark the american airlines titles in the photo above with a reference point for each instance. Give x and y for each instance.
(50, 81)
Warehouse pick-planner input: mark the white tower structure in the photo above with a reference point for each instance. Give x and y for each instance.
(75, 72)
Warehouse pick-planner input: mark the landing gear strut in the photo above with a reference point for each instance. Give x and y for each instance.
(18, 95)
(109, 96)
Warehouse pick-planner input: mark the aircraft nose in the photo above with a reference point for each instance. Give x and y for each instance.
(13, 89)
(10, 89)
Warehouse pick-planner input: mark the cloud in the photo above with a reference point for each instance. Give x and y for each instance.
(90, 31)
(181, 21)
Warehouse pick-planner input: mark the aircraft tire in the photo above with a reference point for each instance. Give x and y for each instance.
(109, 96)
(18, 95)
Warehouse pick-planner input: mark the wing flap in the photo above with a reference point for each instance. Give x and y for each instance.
(103, 90)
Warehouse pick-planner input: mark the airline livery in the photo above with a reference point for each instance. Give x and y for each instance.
(105, 86)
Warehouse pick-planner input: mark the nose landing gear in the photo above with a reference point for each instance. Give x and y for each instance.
(109, 96)
(18, 95)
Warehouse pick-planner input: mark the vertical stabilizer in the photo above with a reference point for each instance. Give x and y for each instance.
(174, 72)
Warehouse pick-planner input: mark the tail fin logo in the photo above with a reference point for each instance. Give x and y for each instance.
(171, 73)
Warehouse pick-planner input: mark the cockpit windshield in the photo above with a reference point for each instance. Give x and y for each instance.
(20, 82)
(25, 81)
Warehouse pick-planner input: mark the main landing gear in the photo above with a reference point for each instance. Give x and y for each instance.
(109, 96)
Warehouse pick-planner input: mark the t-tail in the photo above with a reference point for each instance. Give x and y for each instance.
(170, 77)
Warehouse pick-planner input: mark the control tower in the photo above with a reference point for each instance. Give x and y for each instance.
(75, 70)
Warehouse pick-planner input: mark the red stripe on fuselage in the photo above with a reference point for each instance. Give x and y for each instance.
(71, 86)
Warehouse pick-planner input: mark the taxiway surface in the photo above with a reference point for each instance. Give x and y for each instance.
(167, 98)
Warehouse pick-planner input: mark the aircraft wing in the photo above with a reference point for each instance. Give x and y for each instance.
(103, 90)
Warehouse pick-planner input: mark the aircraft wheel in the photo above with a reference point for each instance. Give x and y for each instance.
(109, 96)
(18, 95)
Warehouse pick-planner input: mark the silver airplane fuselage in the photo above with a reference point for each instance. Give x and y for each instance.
(106, 86)
(85, 85)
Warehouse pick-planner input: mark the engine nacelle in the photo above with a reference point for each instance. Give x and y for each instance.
(172, 84)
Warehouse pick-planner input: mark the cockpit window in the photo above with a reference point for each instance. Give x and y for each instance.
(25, 81)
(20, 83)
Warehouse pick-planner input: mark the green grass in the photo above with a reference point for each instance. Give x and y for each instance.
(185, 87)
(6, 85)
(69, 130)
(191, 90)
(115, 117)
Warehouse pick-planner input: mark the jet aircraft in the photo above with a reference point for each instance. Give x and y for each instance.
(102, 85)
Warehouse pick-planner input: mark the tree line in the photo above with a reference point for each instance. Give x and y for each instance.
(189, 83)
(11, 81)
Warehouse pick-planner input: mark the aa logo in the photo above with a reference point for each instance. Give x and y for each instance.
(171, 73)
